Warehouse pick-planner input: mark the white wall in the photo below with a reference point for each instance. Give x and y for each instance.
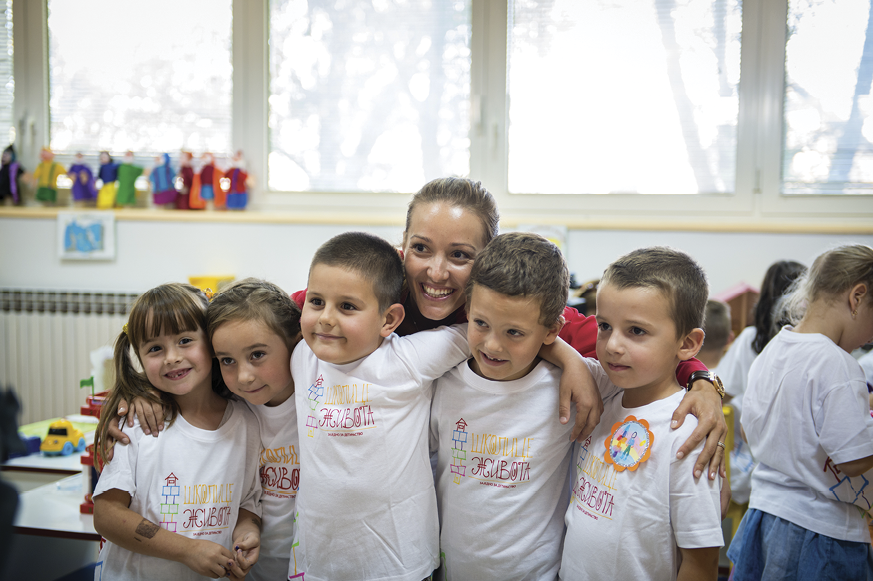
(150, 253)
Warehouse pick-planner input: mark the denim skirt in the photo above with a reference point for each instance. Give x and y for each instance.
(772, 548)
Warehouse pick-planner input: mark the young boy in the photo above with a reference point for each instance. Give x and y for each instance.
(717, 327)
(503, 459)
(636, 511)
(366, 507)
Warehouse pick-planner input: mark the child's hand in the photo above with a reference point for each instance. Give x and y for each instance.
(208, 558)
(150, 415)
(248, 549)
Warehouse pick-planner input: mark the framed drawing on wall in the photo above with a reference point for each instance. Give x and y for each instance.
(86, 235)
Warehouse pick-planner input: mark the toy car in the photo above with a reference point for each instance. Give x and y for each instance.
(62, 439)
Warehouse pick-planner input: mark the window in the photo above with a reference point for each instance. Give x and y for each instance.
(7, 79)
(828, 110)
(368, 95)
(635, 96)
(150, 78)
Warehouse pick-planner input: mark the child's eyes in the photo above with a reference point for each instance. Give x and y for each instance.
(226, 360)
(637, 331)
(480, 323)
(348, 307)
(316, 302)
(153, 349)
(185, 340)
(603, 327)
(258, 355)
(515, 333)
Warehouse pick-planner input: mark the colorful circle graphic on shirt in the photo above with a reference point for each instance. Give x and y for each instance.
(628, 444)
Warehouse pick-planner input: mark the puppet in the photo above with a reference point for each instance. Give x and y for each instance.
(83, 188)
(186, 175)
(46, 177)
(108, 174)
(127, 174)
(207, 185)
(10, 172)
(240, 181)
(161, 177)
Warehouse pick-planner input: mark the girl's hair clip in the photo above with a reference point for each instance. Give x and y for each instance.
(124, 328)
(209, 294)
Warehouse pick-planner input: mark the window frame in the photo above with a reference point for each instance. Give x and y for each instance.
(757, 203)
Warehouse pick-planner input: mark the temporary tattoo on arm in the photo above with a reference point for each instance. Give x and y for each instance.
(147, 529)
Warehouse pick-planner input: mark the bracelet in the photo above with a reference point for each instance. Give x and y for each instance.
(709, 376)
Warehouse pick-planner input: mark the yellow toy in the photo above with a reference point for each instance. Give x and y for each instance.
(46, 177)
(62, 439)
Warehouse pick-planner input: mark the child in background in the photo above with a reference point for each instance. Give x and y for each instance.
(187, 496)
(503, 459)
(717, 328)
(734, 371)
(254, 326)
(366, 505)
(636, 511)
(807, 421)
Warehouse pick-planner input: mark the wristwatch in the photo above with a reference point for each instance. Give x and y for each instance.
(708, 376)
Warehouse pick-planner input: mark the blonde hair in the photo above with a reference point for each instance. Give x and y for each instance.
(833, 272)
(253, 299)
(169, 308)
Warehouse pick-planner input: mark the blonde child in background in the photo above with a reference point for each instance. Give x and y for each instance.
(807, 420)
(253, 326)
(366, 505)
(717, 328)
(734, 371)
(636, 511)
(502, 457)
(172, 507)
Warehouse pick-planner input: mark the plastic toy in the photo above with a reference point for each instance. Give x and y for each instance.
(62, 439)
(186, 175)
(46, 177)
(237, 193)
(127, 174)
(83, 188)
(161, 177)
(108, 174)
(10, 172)
(207, 185)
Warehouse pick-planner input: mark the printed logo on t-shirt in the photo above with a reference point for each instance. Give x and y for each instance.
(346, 410)
(594, 487)
(494, 459)
(854, 490)
(316, 391)
(280, 471)
(205, 508)
(629, 443)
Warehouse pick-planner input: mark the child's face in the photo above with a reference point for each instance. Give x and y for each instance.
(505, 334)
(255, 362)
(341, 321)
(438, 253)
(637, 343)
(177, 364)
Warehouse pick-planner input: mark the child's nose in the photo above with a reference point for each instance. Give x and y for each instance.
(327, 316)
(173, 355)
(245, 375)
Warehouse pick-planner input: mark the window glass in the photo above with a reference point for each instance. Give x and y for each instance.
(368, 95)
(7, 79)
(828, 108)
(626, 96)
(149, 77)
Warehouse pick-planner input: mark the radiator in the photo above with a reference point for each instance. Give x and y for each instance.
(47, 338)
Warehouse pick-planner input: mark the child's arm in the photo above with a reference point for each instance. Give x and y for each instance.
(856, 467)
(246, 543)
(150, 414)
(577, 386)
(114, 520)
(698, 564)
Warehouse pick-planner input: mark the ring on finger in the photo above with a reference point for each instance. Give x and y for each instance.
(720, 445)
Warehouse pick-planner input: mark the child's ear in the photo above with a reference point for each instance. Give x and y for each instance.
(392, 317)
(856, 295)
(691, 344)
(554, 330)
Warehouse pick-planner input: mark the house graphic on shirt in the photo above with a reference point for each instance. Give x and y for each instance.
(459, 454)
(170, 504)
(316, 391)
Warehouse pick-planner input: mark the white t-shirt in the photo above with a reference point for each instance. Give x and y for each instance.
(189, 481)
(502, 473)
(805, 410)
(733, 369)
(866, 363)
(629, 524)
(367, 504)
(280, 478)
